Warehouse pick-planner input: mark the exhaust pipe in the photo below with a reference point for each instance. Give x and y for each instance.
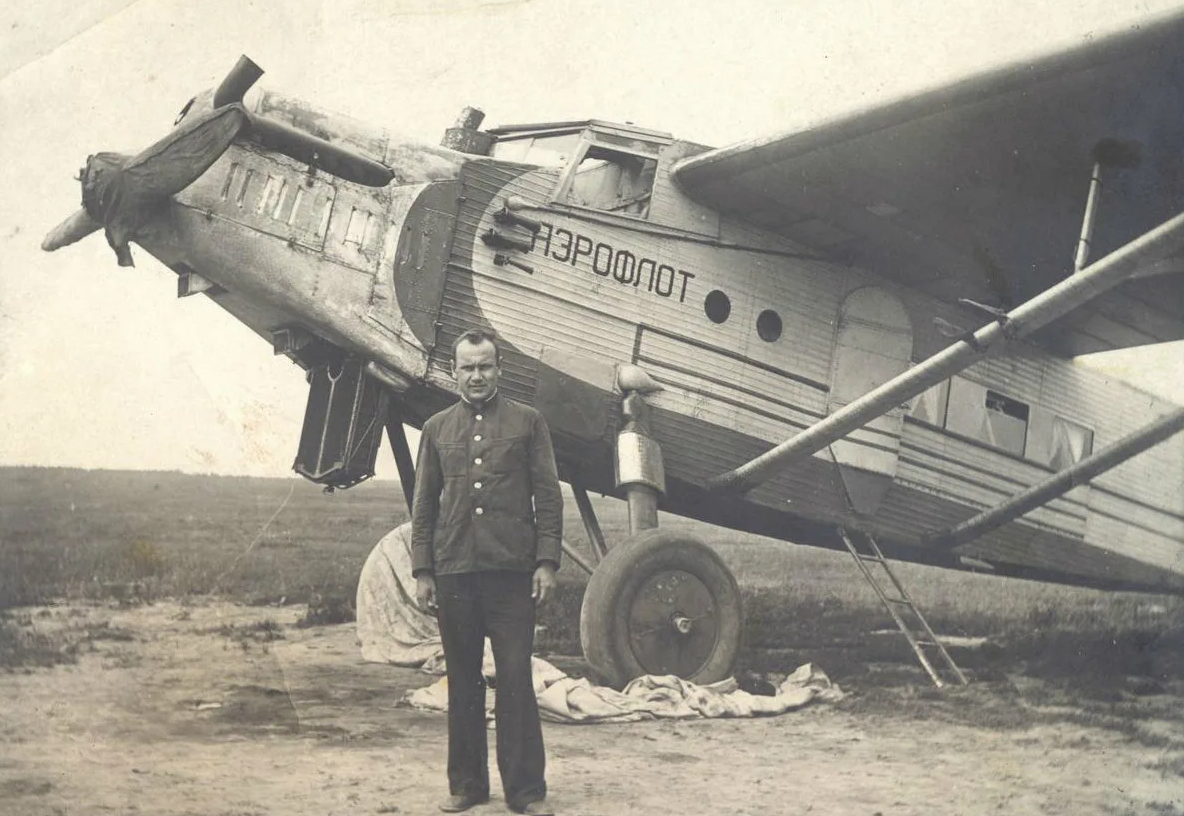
(235, 85)
(297, 144)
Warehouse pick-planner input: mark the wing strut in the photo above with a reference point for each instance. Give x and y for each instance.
(1060, 483)
(1052, 303)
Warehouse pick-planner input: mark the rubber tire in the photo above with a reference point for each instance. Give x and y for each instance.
(604, 615)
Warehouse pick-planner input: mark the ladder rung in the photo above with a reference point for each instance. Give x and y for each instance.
(926, 640)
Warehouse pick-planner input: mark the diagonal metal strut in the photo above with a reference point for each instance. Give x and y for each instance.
(1041, 310)
(1060, 483)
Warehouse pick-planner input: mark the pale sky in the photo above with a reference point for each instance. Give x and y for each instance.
(103, 367)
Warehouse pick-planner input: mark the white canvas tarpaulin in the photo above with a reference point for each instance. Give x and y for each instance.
(567, 699)
(392, 629)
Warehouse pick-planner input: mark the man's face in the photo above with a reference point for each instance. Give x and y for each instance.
(476, 370)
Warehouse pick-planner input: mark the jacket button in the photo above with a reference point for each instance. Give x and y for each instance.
(479, 511)
(477, 485)
(476, 437)
(479, 417)
(477, 461)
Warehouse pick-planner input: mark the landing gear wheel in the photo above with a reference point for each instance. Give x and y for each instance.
(661, 603)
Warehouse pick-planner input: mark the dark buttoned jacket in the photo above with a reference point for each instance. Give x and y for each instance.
(486, 491)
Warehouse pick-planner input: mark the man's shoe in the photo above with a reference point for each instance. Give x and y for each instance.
(459, 804)
(538, 807)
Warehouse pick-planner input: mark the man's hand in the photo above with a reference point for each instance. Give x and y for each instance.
(425, 592)
(543, 585)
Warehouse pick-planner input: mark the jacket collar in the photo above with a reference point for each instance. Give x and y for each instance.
(485, 405)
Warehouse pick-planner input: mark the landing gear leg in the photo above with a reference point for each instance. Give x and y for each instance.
(661, 602)
(403, 461)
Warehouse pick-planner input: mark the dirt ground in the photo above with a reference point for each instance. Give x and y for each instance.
(216, 708)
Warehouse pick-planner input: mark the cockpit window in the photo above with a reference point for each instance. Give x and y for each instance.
(552, 150)
(613, 181)
(600, 169)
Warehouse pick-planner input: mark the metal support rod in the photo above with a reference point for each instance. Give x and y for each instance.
(1087, 221)
(571, 553)
(1060, 483)
(403, 460)
(643, 507)
(1054, 302)
(591, 525)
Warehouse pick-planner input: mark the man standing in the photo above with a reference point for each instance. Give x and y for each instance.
(486, 526)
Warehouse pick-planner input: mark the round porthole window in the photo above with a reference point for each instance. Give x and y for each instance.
(718, 306)
(768, 325)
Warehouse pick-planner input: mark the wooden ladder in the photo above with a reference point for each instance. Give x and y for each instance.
(899, 605)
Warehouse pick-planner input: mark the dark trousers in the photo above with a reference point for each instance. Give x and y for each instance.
(497, 605)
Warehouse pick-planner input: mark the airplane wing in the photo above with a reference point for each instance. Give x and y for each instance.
(977, 189)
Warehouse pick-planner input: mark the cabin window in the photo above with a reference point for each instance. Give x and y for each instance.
(1070, 443)
(1007, 422)
(995, 419)
(930, 406)
(554, 150)
(717, 306)
(613, 181)
(768, 325)
(987, 416)
(1056, 441)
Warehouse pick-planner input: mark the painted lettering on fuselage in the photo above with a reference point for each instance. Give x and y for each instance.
(607, 261)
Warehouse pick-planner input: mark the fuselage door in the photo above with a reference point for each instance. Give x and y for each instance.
(874, 344)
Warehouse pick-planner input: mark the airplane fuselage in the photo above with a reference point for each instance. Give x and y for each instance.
(596, 260)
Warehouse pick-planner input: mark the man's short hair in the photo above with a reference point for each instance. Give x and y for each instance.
(477, 337)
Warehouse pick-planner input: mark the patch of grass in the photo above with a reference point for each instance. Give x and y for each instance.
(1170, 767)
(133, 537)
(264, 631)
(1166, 808)
(328, 609)
(103, 630)
(29, 640)
(22, 647)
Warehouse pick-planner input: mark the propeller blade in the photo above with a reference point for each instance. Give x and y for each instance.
(121, 193)
(75, 228)
(170, 165)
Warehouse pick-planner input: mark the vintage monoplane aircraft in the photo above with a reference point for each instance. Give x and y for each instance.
(858, 335)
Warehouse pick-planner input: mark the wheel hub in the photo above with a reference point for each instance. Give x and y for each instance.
(673, 627)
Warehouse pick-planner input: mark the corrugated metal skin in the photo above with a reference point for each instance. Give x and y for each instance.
(690, 445)
(1135, 530)
(730, 394)
(718, 367)
(977, 477)
(1025, 546)
(1111, 408)
(669, 205)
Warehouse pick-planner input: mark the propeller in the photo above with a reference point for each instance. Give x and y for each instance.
(121, 192)
(75, 228)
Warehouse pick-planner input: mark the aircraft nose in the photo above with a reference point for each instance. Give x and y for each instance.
(120, 192)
